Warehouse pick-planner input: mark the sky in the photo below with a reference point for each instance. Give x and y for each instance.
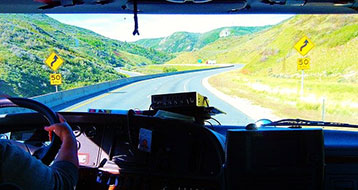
(121, 26)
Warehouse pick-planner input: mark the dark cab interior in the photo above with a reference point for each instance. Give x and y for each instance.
(140, 150)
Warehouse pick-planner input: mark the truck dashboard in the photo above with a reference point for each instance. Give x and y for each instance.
(138, 151)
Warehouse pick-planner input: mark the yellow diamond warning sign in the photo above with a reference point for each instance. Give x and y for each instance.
(54, 61)
(304, 45)
(55, 79)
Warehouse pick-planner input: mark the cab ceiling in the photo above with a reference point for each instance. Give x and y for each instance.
(180, 7)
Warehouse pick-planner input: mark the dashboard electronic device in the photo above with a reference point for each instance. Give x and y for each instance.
(175, 100)
(275, 158)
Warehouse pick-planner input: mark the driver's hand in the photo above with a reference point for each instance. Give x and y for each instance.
(62, 130)
(68, 150)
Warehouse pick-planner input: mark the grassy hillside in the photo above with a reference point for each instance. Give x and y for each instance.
(186, 41)
(270, 77)
(177, 42)
(271, 51)
(224, 32)
(27, 40)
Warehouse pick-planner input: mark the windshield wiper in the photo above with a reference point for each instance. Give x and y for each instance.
(300, 122)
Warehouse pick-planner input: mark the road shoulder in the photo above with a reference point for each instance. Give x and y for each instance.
(244, 105)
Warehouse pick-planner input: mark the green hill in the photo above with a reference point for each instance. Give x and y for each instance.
(213, 35)
(335, 52)
(177, 42)
(271, 52)
(270, 77)
(27, 40)
(186, 41)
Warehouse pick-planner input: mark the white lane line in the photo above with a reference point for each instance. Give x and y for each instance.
(186, 85)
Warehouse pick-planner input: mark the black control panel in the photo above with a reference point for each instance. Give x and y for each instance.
(275, 158)
(179, 100)
(151, 153)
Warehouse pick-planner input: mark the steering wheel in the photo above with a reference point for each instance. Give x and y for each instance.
(46, 153)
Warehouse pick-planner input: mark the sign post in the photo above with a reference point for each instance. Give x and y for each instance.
(303, 46)
(303, 64)
(323, 107)
(54, 61)
(302, 79)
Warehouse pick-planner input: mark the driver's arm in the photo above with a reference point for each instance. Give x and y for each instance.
(23, 170)
(68, 151)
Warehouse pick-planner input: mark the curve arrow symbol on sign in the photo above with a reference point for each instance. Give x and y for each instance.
(54, 60)
(306, 42)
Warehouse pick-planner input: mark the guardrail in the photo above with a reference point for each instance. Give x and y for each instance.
(57, 99)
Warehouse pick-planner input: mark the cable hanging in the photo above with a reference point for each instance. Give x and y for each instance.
(135, 11)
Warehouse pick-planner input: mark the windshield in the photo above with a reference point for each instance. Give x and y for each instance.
(248, 66)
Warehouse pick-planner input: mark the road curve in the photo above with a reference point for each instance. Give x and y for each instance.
(138, 95)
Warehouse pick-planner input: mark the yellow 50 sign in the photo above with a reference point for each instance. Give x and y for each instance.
(55, 79)
(303, 63)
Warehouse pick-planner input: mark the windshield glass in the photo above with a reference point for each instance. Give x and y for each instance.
(248, 66)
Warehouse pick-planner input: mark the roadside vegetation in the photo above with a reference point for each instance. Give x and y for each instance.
(270, 77)
(283, 96)
(26, 40)
(166, 68)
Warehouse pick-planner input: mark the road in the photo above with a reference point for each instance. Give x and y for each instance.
(138, 95)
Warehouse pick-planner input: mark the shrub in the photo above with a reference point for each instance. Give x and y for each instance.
(169, 69)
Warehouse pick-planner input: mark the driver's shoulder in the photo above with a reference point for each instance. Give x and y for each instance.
(4, 142)
(4, 145)
(10, 153)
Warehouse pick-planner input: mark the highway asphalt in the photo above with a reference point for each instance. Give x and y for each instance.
(138, 96)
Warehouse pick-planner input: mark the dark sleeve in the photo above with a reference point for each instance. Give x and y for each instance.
(20, 168)
(65, 174)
